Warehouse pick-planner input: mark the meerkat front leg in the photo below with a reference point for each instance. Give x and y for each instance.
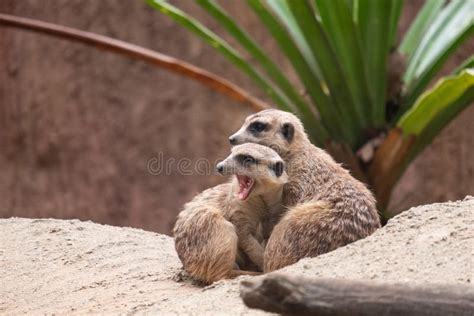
(250, 245)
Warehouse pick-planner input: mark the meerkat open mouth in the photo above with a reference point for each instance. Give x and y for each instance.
(245, 186)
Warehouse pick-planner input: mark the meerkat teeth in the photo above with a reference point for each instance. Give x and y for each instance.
(245, 186)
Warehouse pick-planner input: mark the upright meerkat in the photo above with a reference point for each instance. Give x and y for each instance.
(224, 219)
(326, 207)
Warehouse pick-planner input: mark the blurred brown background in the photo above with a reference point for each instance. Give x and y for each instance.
(78, 126)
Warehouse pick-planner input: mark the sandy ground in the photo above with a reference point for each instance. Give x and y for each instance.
(58, 266)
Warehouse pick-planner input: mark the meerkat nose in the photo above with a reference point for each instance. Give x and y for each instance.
(220, 168)
(232, 140)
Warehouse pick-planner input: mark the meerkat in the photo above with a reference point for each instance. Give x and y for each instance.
(222, 220)
(326, 207)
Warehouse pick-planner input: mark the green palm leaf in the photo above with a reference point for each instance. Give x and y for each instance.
(280, 8)
(256, 52)
(395, 12)
(435, 108)
(315, 128)
(330, 68)
(425, 17)
(223, 47)
(308, 75)
(453, 25)
(375, 22)
(337, 22)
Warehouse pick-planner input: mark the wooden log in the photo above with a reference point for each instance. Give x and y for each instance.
(302, 296)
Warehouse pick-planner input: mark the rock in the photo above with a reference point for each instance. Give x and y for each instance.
(68, 266)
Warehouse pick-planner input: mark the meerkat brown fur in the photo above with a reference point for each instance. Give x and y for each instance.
(326, 207)
(223, 220)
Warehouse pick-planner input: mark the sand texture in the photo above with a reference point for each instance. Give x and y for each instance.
(68, 266)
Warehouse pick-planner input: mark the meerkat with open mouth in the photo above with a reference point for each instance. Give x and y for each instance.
(225, 219)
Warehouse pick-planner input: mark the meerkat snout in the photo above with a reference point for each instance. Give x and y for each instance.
(232, 140)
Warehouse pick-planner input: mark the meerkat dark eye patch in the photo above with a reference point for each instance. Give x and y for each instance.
(257, 127)
(246, 160)
(288, 131)
(278, 168)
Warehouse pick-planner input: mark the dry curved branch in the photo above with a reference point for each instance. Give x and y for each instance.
(202, 76)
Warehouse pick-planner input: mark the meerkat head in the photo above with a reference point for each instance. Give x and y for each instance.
(258, 169)
(282, 131)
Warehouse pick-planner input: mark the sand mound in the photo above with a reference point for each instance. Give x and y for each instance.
(67, 266)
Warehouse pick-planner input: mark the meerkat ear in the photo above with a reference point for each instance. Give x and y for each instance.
(278, 168)
(288, 131)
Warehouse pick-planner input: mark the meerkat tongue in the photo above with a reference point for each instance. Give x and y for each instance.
(245, 187)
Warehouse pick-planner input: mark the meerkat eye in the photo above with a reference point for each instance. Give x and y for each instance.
(278, 168)
(246, 159)
(288, 131)
(257, 127)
